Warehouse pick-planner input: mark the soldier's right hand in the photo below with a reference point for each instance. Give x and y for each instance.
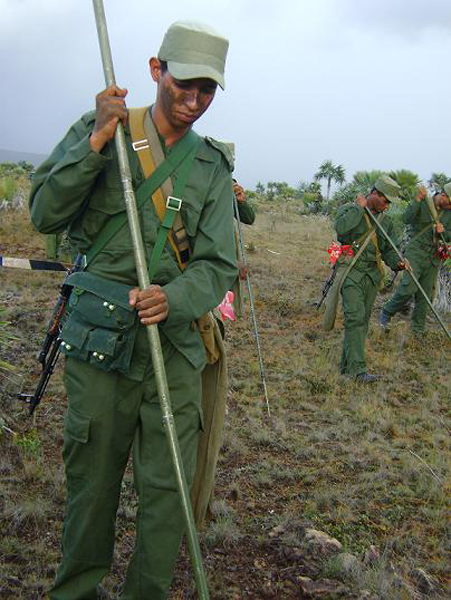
(361, 200)
(421, 194)
(110, 109)
(239, 192)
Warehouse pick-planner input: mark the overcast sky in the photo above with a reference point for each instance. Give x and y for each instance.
(364, 83)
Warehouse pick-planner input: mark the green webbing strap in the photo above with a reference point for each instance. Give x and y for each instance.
(425, 229)
(173, 205)
(186, 145)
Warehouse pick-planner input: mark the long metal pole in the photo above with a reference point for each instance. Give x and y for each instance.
(251, 301)
(409, 270)
(152, 330)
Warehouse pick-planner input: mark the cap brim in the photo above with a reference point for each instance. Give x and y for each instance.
(188, 71)
(391, 199)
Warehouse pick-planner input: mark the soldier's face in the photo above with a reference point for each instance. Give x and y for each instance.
(378, 202)
(184, 101)
(443, 202)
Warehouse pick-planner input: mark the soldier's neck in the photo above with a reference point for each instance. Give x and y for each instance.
(170, 134)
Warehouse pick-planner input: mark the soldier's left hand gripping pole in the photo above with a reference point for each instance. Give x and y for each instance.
(433, 212)
(251, 302)
(152, 330)
(409, 270)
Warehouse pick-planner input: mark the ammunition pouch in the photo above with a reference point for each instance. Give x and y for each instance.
(101, 326)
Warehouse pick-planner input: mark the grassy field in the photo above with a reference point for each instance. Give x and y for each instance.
(368, 466)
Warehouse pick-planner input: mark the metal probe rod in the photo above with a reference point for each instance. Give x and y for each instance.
(251, 301)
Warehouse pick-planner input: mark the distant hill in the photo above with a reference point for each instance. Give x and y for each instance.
(14, 157)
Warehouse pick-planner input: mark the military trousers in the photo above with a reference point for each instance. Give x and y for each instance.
(108, 416)
(358, 300)
(426, 271)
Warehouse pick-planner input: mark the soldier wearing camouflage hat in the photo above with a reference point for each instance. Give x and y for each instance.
(361, 282)
(113, 404)
(429, 223)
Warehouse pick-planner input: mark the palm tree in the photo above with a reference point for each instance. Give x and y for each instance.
(408, 181)
(365, 180)
(437, 181)
(331, 173)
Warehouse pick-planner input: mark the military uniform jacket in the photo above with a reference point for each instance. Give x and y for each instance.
(417, 217)
(350, 225)
(79, 190)
(246, 213)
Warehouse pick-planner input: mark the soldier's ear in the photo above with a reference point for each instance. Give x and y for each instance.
(155, 69)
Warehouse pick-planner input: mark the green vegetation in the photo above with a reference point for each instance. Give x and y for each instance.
(13, 179)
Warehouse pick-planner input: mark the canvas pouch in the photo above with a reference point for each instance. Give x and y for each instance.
(101, 326)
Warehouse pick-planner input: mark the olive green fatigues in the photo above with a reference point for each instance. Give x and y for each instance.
(422, 255)
(111, 411)
(360, 287)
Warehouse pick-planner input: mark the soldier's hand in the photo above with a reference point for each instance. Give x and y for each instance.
(151, 304)
(403, 264)
(361, 200)
(244, 272)
(239, 192)
(110, 109)
(421, 194)
(439, 228)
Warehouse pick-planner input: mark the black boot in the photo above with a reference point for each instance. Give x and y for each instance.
(367, 378)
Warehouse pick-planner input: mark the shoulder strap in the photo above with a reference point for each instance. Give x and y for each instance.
(150, 153)
(187, 146)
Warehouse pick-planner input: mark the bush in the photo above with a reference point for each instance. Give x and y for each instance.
(8, 188)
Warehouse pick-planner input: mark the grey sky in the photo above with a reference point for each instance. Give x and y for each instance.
(362, 82)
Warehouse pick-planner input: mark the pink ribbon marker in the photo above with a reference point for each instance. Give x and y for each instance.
(226, 307)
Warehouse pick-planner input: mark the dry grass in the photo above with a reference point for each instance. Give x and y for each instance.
(367, 465)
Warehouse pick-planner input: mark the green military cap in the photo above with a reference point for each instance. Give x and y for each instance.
(388, 186)
(193, 50)
(447, 189)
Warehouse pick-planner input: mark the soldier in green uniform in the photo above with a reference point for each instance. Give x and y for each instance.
(245, 210)
(422, 253)
(360, 285)
(247, 216)
(113, 400)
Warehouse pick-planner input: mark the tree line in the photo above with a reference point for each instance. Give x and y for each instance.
(310, 193)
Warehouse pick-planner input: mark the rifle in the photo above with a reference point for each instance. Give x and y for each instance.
(50, 350)
(327, 285)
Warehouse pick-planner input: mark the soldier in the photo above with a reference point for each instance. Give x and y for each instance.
(423, 255)
(247, 216)
(245, 210)
(360, 283)
(113, 400)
